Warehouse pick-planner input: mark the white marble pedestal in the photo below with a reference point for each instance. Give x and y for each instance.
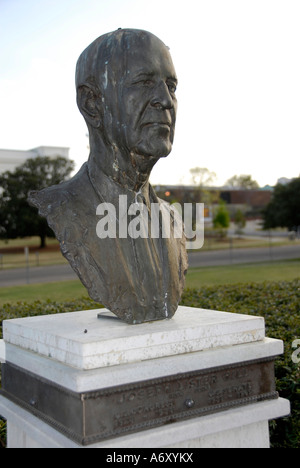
(152, 368)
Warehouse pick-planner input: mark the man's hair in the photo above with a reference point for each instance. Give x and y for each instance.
(105, 57)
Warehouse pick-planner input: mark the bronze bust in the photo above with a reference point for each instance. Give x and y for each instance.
(126, 85)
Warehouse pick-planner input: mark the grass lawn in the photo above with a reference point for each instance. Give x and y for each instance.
(60, 292)
(25, 242)
(196, 277)
(12, 254)
(243, 273)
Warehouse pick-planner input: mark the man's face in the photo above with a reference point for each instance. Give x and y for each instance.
(146, 99)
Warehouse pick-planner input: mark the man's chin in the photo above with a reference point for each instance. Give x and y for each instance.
(144, 160)
(155, 151)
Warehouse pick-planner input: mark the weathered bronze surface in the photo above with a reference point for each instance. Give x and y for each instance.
(126, 86)
(94, 416)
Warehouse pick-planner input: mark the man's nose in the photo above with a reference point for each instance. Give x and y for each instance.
(161, 97)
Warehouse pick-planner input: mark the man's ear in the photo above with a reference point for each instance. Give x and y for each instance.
(89, 103)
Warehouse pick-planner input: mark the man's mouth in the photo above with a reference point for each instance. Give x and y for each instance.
(157, 124)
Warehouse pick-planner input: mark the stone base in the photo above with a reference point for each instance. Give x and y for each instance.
(100, 382)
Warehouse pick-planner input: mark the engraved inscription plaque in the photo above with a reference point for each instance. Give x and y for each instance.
(93, 416)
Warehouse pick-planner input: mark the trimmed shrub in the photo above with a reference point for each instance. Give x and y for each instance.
(279, 304)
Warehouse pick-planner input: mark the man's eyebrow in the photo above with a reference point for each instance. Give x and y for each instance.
(143, 74)
(173, 78)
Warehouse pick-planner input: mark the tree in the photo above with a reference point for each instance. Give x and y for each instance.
(242, 181)
(221, 220)
(201, 176)
(17, 217)
(239, 221)
(283, 210)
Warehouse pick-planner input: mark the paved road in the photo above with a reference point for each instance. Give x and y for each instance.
(20, 276)
(234, 256)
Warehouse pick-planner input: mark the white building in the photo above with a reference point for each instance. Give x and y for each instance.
(10, 159)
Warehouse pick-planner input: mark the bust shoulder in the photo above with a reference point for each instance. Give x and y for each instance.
(63, 202)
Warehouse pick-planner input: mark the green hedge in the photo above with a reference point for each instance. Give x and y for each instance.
(278, 303)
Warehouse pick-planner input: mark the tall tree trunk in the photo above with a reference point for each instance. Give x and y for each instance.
(43, 241)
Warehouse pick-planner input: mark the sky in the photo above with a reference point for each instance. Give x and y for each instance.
(237, 63)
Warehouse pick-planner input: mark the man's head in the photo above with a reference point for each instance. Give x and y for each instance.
(126, 86)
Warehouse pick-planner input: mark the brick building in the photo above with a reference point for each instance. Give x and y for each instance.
(249, 201)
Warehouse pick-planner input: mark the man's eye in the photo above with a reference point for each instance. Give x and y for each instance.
(147, 82)
(171, 87)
